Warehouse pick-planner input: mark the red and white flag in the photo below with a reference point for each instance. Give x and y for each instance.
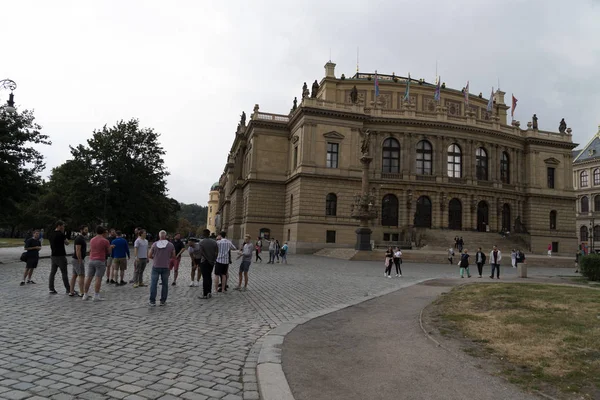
(514, 105)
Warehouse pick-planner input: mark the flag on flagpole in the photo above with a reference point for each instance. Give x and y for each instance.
(436, 96)
(514, 105)
(491, 101)
(376, 85)
(407, 91)
(467, 93)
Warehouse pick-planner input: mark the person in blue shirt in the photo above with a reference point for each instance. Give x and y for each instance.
(119, 262)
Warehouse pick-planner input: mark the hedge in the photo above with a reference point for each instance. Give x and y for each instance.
(590, 267)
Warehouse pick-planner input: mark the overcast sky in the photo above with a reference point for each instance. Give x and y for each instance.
(188, 68)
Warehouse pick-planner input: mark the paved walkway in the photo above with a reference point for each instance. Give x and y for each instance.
(58, 347)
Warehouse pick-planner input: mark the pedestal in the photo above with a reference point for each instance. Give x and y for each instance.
(522, 270)
(363, 239)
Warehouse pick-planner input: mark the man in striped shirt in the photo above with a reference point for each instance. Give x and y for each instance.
(222, 264)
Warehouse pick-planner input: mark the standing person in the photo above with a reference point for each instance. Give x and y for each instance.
(120, 256)
(550, 250)
(134, 238)
(208, 250)
(140, 253)
(513, 258)
(58, 241)
(277, 250)
(174, 262)
(79, 253)
(195, 265)
(42, 237)
(464, 264)
(258, 249)
(33, 247)
(284, 251)
(480, 260)
(451, 254)
(222, 265)
(246, 254)
(495, 258)
(461, 243)
(389, 255)
(456, 242)
(160, 253)
(398, 261)
(100, 248)
(272, 247)
(112, 235)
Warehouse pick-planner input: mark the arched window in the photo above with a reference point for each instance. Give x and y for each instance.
(596, 232)
(597, 202)
(583, 179)
(504, 168)
(585, 204)
(583, 233)
(424, 157)
(454, 161)
(552, 219)
(331, 205)
(391, 156)
(481, 158)
(389, 210)
(597, 177)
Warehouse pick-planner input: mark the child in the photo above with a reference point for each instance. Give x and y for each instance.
(389, 255)
(464, 263)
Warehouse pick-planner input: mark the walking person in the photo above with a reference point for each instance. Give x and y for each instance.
(480, 261)
(284, 251)
(160, 253)
(194, 264)
(389, 256)
(398, 261)
(277, 250)
(140, 253)
(550, 250)
(100, 248)
(174, 263)
(58, 257)
(461, 244)
(258, 249)
(112, 235)
(120, 257)
(464, 264)
(451, 255)
(208, 250)
(222, 263)
(513, 258)
(246, 254)
(495, 258)
(79, 253)
(272, 248)
(33, 246)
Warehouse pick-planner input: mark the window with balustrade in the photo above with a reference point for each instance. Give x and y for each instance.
(505, 168)
(454, 161)
(391, 156)
(481, 159)
(424, 158)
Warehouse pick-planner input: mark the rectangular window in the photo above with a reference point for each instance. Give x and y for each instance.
(295, 164)
(395, 237)
(289, 235)
(551, 178)
(332, 155)
(386, 237)
(555, 247)
(330, 237)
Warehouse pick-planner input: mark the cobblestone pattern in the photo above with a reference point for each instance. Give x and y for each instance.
(58, 347)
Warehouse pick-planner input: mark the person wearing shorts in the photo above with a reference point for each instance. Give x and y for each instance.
(33, 246)
(246, 255)
(78, 261)
(222, 265)
(120, 257)
(174, 262)
(100, 248)
(112, 236)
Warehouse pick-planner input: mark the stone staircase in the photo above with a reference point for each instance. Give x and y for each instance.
(441, 240)
(340, 253)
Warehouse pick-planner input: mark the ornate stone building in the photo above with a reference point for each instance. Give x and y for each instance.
(437, 164)
(586, 178)
(213, 208)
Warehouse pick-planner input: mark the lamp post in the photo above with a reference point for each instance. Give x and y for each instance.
(592, 236)
(11, 85)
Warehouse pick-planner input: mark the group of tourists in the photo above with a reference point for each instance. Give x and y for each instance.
(109, 255)
(495, 257)
(275, 251)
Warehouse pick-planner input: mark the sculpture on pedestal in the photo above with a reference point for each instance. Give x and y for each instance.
(534, 121)
(365, 142)
(243, 119)
(363, 207)
(315, 89)
(563, 126)
(354, 95)
(305, 91)
(295, 106)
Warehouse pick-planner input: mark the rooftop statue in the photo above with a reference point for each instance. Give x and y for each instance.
(315, 89)
(563, 126)
(354, 95)
(305, 92)
(534, 120)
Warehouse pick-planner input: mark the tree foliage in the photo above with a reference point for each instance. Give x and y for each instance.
(195, 214)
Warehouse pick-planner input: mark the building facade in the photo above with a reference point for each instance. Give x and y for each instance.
(586, 180)
(439, 162)
(213, 208)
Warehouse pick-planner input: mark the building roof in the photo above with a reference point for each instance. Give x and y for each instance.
(591, 150)
(215, 186)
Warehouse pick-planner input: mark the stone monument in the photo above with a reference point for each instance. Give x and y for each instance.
(363, 207)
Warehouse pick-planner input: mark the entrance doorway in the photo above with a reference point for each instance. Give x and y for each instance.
(423, 214)
(482, 216)
(506, 220)
(455, 215)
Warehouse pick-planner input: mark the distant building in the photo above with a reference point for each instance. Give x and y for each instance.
(438, 163)
(586, 178)
(213, 208)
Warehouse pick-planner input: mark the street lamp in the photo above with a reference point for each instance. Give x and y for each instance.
(592, 236)
(11, 85)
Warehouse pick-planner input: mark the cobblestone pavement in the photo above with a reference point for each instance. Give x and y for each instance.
(58, 347)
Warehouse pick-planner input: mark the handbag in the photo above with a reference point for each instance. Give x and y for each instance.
(23, 257)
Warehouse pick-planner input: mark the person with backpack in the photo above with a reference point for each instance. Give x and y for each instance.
(480, 261)
(464, 263)
(283, 253)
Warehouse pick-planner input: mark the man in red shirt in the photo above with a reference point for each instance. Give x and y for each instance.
(99, 249)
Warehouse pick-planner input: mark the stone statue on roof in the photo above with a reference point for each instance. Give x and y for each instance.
(534, 121)
(243, 119)
(305, 91)
(315, 89)
(354, 95)
(295, 106)
(563, 126)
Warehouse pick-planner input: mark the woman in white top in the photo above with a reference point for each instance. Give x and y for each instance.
(513, 258)
(398, 261)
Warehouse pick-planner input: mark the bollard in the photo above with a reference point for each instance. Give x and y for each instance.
(522, 270)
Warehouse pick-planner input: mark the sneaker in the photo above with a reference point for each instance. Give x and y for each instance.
(72, 294)
(389, 276)
(22, 284)
(491, 277)
(469, 276)
(462, 276)
(107, 280)
(142, 285)
(384, 274)
(209, 295)
(123, 283)
(84, 297)
(237, 288)
(135, 285)
(53, 291)
(162, 303)
(32, 282)
(400, 276)
(245, 288)
(173, 284)
(479, 276)
(192, 284)
(203, 297)
(112, 281)
(151, 304)
(131, 281)
(97, 298)
(197, 283)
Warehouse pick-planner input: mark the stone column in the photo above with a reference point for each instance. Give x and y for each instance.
(468, 163)
(496, 161)
(411, 154)
(405, 150)
(363, 233)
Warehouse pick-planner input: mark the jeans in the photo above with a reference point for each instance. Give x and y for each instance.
(462, 271)
(480, 268)
(271, 256)
(206, 268)
(258, 256)
(59, 262)
(138, 274)
(397, 264)
(497, 268)
(164, 277)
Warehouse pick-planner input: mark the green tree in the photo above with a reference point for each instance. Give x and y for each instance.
(194, 213)
(20, 162)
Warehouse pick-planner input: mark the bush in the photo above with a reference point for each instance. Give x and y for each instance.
(590, 266)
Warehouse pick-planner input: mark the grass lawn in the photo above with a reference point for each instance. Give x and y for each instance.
(11, 242)
(547, 336)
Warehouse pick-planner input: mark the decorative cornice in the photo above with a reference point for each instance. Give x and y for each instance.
(552, 161)
(333, 135)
